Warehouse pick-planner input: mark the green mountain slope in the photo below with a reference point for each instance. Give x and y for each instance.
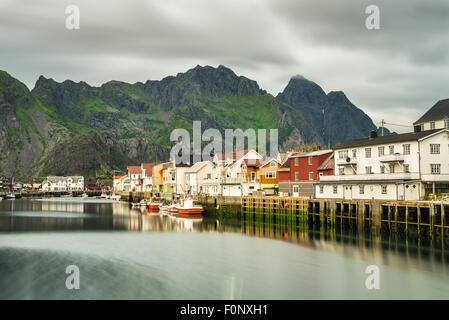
(60, 128)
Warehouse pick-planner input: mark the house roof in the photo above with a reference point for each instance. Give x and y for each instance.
(267, 161)
(396, 138)
(311, 154)
(252, 162)
(439, 111)
(65, 178)
(148, 167)
(118, 177)
(134, 169)
(231, 155)
(197, 166)
(327, 164)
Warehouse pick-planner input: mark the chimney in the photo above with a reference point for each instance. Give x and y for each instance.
(373, 134)
(417, 128)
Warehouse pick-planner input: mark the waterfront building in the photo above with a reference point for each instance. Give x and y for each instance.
(230, 170)
(63, 184)
(269, 181)
(299, 173)
(436, 117)
(407, 166)
(250, 176)
(121, 184)
(169, 178)
(135, 177)
(201, 178)
(147, 174)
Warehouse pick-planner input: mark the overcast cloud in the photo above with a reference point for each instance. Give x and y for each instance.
(395, 73)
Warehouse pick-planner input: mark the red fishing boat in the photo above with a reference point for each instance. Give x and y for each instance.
(189, 210)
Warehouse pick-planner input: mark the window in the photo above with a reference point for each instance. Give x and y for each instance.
(311, 175)
(362, 189)
(391, 168)
(270, 174)
(310, 160)
(342, 154)
(368, 170)
(432, 125)
(391, 149)
(435, 168)
(209, 176)
(244, 167)
(272, 164)
(406, 148)
(406, 168)
(384, 189)
(381, 151)
(446, 124)
(434, 148)
(335, 189)
(354, 153)
(253, 176)
(296, 176)
(321, 189)
(341, 171)
(368, 153)
(382, 169)
(296, 161)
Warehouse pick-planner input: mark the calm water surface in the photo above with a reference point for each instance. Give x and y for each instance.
(127, 253)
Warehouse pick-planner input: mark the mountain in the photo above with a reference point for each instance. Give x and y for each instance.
(75, 128)
(335, 118)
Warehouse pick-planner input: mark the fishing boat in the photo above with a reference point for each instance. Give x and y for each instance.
(85, 195)
(116, 197)
(172, 211)
(10, 196)
(190, 210)
(103, 196)
(153, 204)
(143, 203)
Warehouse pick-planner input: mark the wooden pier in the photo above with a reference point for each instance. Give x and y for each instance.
(395, 216)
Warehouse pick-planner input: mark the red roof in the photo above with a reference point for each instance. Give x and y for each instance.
(117, 177)
(134, 169)
(148, 167)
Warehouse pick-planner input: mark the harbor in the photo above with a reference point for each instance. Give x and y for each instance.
(134, 250)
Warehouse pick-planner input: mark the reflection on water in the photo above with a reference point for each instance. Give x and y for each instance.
(170, 258)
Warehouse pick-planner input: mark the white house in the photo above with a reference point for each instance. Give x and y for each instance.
(436, 118)
(63, 184)
(201, 178)
(230, 167)
(398, 167)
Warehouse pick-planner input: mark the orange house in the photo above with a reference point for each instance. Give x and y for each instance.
(269, 180)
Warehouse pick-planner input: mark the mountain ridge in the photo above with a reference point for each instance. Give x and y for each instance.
(134, 120)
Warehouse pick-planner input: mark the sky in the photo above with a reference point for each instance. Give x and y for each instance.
(395, 73)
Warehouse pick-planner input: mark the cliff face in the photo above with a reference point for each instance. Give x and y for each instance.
(333, 116)
(74, 128)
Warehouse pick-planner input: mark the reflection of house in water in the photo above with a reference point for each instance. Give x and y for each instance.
(126, 219)
(62, 206)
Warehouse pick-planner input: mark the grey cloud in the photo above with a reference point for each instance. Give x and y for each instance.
(401, 68)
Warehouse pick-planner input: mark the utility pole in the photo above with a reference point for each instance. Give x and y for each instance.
(382, 126)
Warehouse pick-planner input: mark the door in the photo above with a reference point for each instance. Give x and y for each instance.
(347, 192)
(296, 191)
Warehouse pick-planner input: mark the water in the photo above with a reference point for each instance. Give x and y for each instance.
(125, 253)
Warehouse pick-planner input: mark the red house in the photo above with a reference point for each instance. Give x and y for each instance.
(298, 174)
